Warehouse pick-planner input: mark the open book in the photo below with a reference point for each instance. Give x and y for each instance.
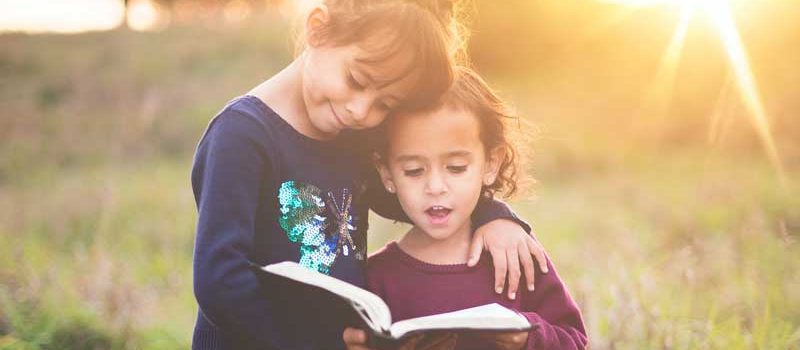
(376, 314)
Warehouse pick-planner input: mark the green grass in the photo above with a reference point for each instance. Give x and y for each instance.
(664, 254)
(673, 245)
(104, 252)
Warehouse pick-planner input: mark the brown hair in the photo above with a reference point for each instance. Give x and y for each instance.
(471, 93)
(429, 29)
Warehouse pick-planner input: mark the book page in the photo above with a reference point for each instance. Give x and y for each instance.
(486, 317)
(364, 302)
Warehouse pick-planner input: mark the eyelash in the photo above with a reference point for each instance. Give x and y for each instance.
(353, 82)
(356, 85)
(456, 169)
(384, 106)
(413, 172)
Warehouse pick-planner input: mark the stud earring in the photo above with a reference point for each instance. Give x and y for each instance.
(390, 188)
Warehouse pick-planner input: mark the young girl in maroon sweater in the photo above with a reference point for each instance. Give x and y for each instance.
(439, 163)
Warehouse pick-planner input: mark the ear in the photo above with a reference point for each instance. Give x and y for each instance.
(317, 19)
(494, 159)
(383, 171)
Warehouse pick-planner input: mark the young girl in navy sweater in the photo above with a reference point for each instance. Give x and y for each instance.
(282, 173)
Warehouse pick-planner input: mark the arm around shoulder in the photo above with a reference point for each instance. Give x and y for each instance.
(490, 209)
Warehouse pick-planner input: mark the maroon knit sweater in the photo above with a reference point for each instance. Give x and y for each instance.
(413, 288)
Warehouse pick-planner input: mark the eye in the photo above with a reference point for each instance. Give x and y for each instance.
(353, 82)
(384, 106)
(413, 172)
(457, 169)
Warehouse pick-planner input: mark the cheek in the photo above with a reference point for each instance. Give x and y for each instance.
(469, 185)
(408, 192)
(375, 119)
(322, 82)
(311, 87)
(407, 203)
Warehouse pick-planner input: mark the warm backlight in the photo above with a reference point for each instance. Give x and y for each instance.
(719, 13)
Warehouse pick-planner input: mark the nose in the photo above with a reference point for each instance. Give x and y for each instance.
(359, 107)
(436, 184)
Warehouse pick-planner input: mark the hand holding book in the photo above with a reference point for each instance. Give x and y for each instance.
(377, 316)
(503, 341)
(357, 339)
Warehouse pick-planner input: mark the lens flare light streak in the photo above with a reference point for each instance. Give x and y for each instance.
(719, 12)
(656, 101)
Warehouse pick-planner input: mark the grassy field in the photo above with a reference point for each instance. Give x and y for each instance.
(675, 244)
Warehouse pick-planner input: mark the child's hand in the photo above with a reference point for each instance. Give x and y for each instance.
(507, 341)
(355, 339)
(441, 341)
(510, 247)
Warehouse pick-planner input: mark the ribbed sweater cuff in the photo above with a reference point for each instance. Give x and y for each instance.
(207, 339)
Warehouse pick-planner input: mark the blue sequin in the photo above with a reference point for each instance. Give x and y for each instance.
(323, 224)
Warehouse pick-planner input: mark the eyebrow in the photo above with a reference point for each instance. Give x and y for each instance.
(410, 157)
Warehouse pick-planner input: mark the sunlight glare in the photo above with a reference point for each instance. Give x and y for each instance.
(297, 7)
(659, 94)
(643, 3)
(146, 15)
(720, 14)
(39, 16)
(237, 11)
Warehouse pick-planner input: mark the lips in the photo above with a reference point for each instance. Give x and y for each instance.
(339, 120)
(438, 215)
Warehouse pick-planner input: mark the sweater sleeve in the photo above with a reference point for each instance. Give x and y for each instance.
(553, 313)
(229, 168)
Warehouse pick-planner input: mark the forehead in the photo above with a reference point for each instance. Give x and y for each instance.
(389, 53)
(390, 65)
(434, 133)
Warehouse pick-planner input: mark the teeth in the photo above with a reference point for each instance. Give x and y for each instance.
(438, 207)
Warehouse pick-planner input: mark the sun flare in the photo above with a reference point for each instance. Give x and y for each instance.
(719, 13)
(74, 16)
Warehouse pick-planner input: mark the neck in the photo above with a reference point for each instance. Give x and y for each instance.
(451, 250)
(283, 93)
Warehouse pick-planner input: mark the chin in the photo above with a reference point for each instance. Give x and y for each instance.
(440, 233)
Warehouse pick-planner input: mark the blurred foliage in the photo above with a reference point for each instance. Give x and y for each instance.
(670, 229)
(580, 57)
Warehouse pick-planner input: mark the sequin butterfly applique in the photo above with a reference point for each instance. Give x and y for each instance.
(323, 224)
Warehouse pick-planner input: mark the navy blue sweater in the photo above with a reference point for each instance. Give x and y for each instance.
(266, 193)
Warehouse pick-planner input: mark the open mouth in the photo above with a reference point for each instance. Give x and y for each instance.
(438, 215)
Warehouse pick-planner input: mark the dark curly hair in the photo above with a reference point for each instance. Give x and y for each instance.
(471, 93)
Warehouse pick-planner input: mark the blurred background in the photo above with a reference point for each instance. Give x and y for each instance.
(666, 145)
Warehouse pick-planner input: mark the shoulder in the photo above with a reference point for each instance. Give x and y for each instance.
(546, 284)
(236, 141)
(384, 263)
(382, 258)
(242, 115)
(381, 266)
(243, 125)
